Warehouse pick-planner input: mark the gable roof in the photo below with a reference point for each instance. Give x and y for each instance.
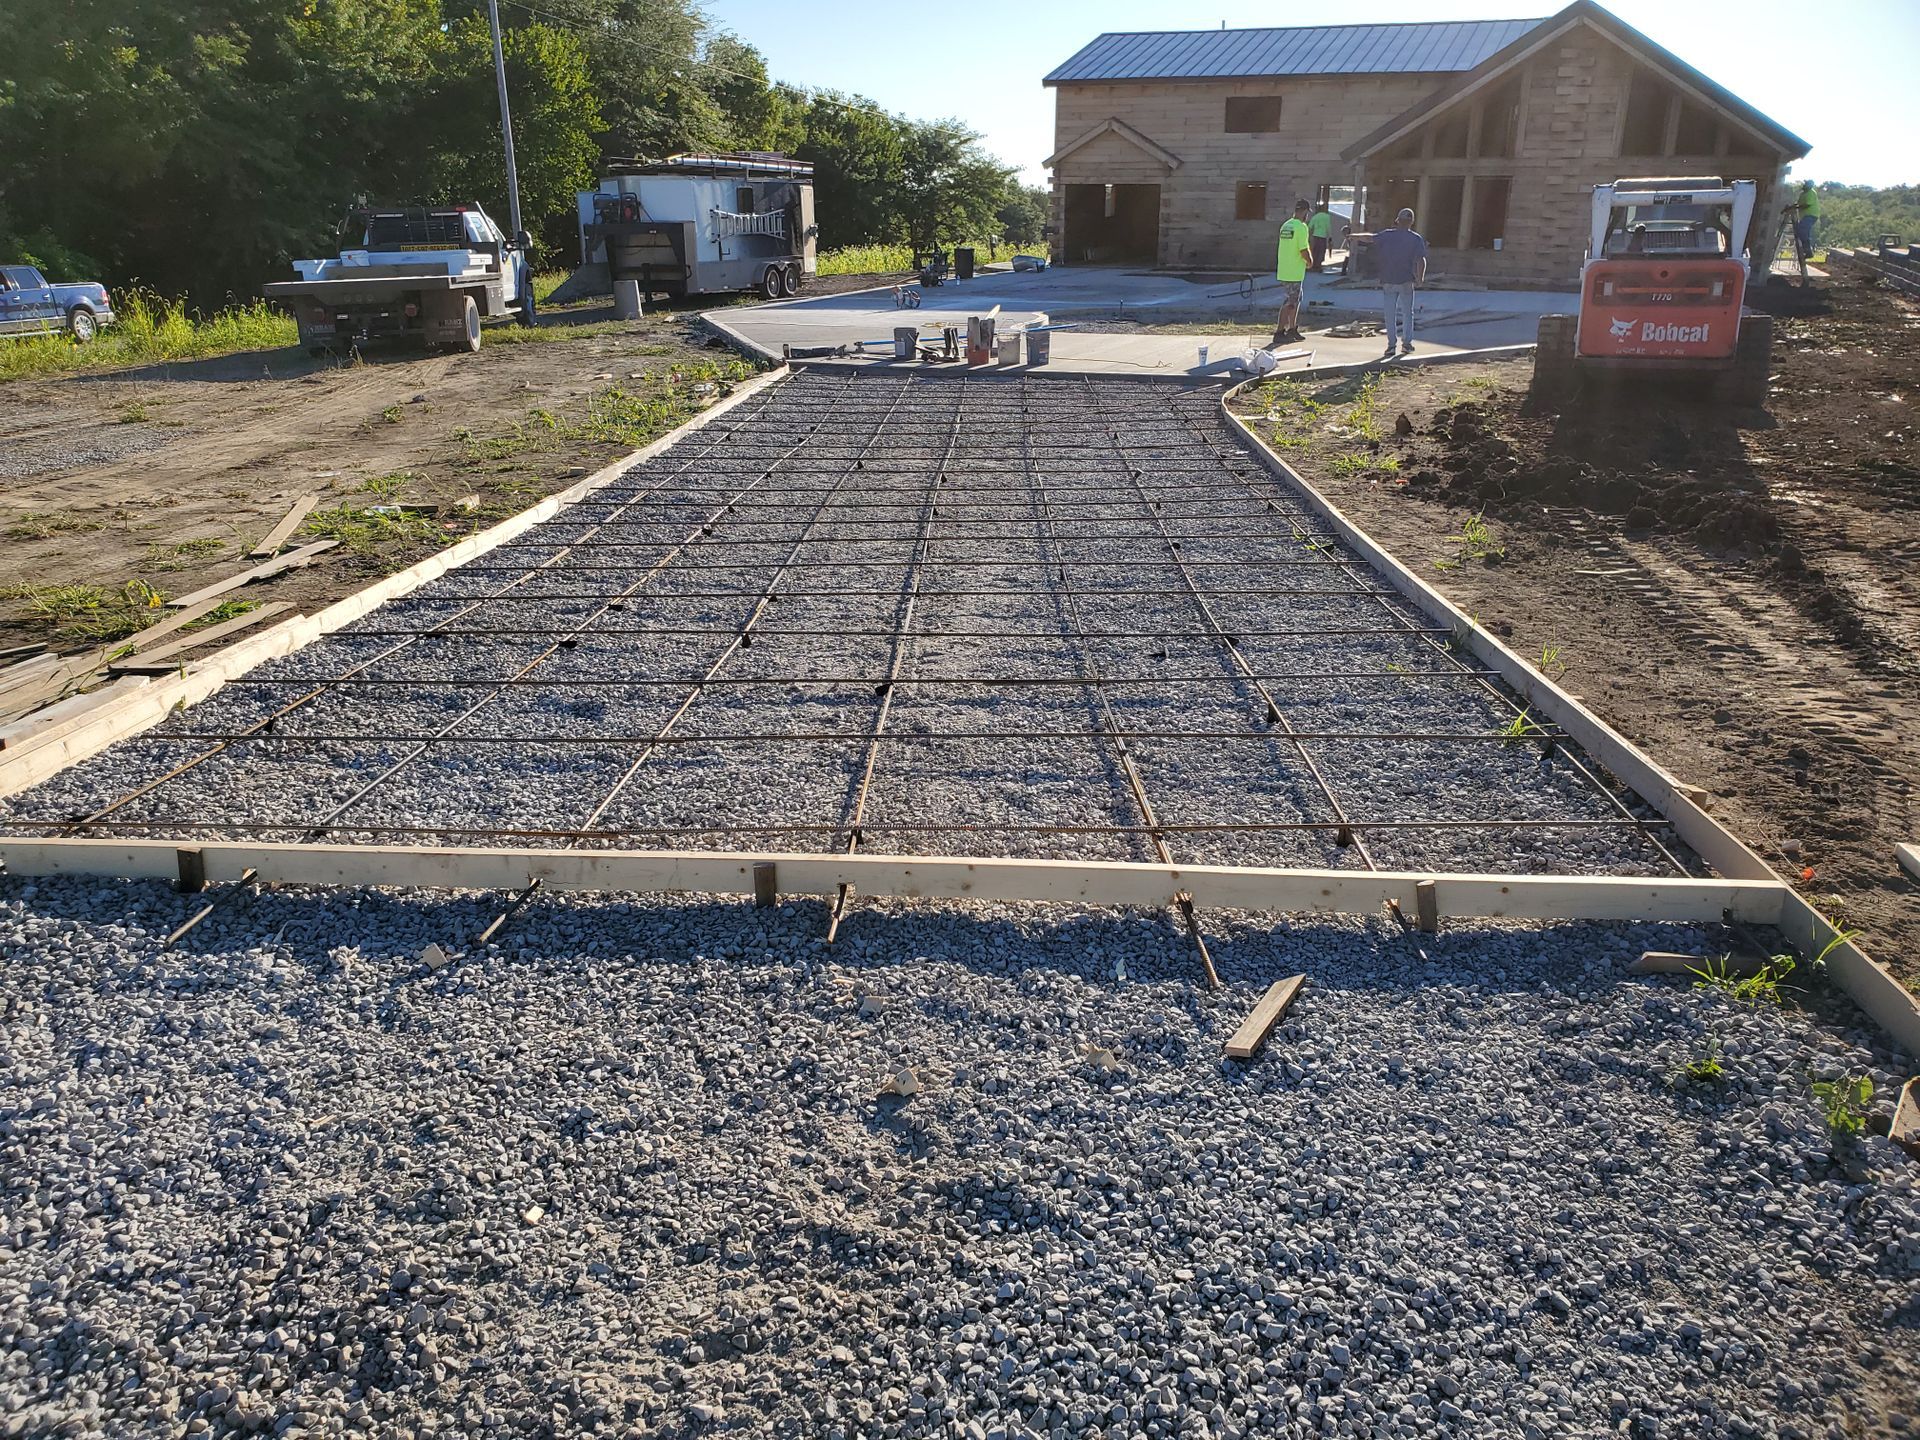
(1114, 125)
(1542, 33)
(1417, 48)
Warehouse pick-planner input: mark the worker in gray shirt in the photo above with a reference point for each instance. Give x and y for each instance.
(1400, 256)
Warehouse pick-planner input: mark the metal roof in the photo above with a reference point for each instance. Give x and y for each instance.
(1421, 47)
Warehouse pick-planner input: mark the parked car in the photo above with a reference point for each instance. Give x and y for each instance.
(30, 306)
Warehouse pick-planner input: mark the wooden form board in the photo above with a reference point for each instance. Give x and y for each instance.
(717, 872)
(62, 716)
(143, 711)
(277, 537)
(1884, 998)
(1259, 1023)
(292, 560)
(198, 638)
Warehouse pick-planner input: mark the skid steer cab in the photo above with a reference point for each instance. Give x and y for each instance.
(1662, 290)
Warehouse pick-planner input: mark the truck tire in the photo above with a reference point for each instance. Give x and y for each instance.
(470, 315)
(770, 286)
(793, 277)
(82, 325)
(1556, 375)
(1745, 385)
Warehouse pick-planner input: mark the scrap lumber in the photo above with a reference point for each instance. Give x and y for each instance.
(57, 719)
(1905, 1130)
(292, 560)
(1254, 1030)
(28, 673)
(1909, 859)
(161, 661)
(276, 538)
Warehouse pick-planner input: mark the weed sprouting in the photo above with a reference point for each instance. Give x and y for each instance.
(1843, 1103)
(1521, 727)
(1705, 1068)
(387, 487)
(1477, 540)
(1351, 463)
(90, 612)
(1364, 414)
(1762, 987)
(44, 525)
(1551, 664)
(391, 414)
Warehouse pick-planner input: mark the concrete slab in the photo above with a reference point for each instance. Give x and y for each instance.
(1447, 323)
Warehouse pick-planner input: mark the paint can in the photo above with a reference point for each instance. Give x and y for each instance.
(1039, 346)
(1010, 349)
(906, 342)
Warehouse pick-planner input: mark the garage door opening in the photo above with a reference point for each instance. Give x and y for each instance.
(1113, 224)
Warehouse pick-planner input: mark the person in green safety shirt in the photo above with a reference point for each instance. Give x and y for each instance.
(1808, 220)
(1290, 269)
(1320, 228)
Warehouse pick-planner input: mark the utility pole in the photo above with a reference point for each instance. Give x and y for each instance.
(506, 119)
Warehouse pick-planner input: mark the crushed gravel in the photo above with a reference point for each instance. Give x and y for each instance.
(627, 1172)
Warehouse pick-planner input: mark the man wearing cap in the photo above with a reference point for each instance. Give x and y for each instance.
(1290, 269)
(1320, 227)
(1400, 256)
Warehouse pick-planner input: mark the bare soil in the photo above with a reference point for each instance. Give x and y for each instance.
(169, 475)
(1737, 593)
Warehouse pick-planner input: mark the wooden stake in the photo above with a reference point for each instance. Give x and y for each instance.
(1426, 905)
(1253, 1031)
(763, 885)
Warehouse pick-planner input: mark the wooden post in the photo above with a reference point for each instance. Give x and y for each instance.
(1426, 903)
(193, 870)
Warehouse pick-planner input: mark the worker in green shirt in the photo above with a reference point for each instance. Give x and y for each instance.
(1320, 227)
(1290, 269)
(1808, 219)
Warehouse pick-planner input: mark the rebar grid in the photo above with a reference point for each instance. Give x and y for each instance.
(984, 496)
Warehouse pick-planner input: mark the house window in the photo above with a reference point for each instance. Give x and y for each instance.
(1252, 114)
(1441, 223)
(1499, 122)
(1646, 128)
(1490, 194)
(1697, 131)
(1250, 200)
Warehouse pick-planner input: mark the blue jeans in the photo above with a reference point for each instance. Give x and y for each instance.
(1399, 308)
(1803, 229)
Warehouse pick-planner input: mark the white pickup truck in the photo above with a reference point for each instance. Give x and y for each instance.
(426, 273)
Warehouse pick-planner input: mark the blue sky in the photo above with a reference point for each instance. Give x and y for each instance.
(1840, 74)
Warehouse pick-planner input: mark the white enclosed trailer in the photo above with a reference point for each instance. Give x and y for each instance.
(703, 224)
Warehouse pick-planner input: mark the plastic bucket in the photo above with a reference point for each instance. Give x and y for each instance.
(1039, 347)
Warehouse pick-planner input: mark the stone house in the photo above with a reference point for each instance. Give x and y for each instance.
(1186, 149)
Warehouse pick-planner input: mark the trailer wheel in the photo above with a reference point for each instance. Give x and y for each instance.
(792, 278)
(770, 286)
(82, 325)
(1556, 375)
(470, 317)
(1745, 385)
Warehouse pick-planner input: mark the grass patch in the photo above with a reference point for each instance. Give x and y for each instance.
(1352, 463)
(545, 282)
(890, 259)
(1292, 414)
(386, 487)
(1476, 541)
(1364, 415)
(44, 525)
(134, 414)
(365, 530)
(90, 612)
(185, 554)
(147, 331)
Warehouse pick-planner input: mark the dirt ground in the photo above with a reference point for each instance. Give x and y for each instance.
(167, 476)
(1737, 593)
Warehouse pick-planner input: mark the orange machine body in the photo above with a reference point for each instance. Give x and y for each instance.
(1659, 307)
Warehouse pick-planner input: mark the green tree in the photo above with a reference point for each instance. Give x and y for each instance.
(858, 156)
(556, 116)
(759, 114)
(949, 189)
(1023, 214)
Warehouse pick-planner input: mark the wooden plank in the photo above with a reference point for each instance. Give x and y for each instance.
(202, 637)
(28, 673)
(276, 539)
(1872, 987)
(1253, 1031)
(1905, 1130)
(141, 712)
(143, 639)
(1909, 857)
(57, 719)
(1718, 846)
(1331, 892)
(292, 560)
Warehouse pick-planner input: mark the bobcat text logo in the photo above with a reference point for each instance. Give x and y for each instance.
(1651, 330)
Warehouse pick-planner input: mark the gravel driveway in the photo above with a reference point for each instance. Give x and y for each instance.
(627, 1173)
